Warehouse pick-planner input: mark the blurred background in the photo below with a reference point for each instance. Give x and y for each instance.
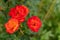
(47, 10)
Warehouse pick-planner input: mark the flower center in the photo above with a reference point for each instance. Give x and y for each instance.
(34, 24)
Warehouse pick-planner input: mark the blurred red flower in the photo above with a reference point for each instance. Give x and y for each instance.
(19, 12)
(22, 10)
(34, 23)
(12, 25)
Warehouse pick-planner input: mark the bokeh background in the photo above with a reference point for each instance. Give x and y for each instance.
(47, 10)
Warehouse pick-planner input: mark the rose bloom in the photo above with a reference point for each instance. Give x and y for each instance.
(34, 23)
(12, 25)
(19, 12)
(22, 10)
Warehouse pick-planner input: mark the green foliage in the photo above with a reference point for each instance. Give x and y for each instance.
(47, 10)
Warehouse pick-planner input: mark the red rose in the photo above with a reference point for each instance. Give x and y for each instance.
(19, 12)
(12, 25)
(34, 23)
(22, 10)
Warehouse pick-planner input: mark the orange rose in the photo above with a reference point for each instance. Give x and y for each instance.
(12, 25)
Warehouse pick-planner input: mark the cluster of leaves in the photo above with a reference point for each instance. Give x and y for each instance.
(47, 10)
